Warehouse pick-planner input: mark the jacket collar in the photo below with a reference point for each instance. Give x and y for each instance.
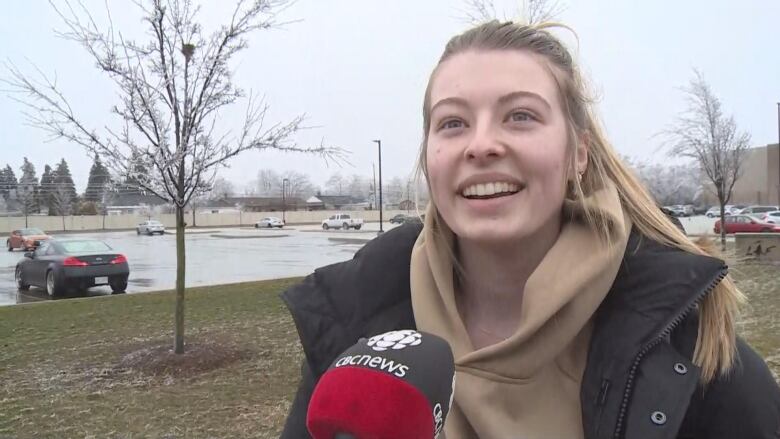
(370, 294)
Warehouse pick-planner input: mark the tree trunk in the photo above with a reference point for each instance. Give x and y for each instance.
(722, 225)
(178, 334)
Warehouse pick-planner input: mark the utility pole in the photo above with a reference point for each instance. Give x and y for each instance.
(379, 144)
(373, 188)
(284, 201)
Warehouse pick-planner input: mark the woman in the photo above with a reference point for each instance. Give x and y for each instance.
(574, 307)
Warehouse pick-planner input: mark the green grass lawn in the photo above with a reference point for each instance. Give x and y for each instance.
(62, 374)
(59, 375)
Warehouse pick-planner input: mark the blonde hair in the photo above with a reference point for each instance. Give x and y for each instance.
(715, 349)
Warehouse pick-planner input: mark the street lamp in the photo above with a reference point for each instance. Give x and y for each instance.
(379, 144)
(284, 201)
(778, 153)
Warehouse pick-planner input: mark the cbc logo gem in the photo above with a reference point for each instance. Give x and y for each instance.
(395, 340)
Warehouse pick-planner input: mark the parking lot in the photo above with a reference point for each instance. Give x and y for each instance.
(214, 256)
(226, 255)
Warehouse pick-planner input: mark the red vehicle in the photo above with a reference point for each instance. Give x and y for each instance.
(25, 238)
(746, 224)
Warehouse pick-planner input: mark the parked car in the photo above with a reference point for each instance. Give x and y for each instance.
(61, 265)
(398, 219)
(746, 224)
(342, 221)
(752, 210)
(25, 239)
(715, 211)
(269, 222)
(150, 228)
(770, 217)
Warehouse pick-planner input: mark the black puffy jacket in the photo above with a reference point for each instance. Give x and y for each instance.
(639, 381)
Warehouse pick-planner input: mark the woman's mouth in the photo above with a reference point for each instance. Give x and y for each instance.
(483, 191)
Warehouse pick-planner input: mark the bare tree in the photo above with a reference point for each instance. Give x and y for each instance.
(669, 184)
(221, 189)
(335, 184)
(268, 182)
(62, 198)
(540, 11)
(298, 185)
(529, 11)
(479, 11)
(704, 133)
(172, 88)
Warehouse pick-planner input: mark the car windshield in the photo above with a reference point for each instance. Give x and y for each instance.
(85, 246)
(32, 231)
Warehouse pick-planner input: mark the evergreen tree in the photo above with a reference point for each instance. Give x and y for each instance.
(64, 193)
(47, 190)
(98, 179)
(27, 189)
(8, 183)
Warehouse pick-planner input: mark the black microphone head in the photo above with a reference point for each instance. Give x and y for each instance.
(396, 384)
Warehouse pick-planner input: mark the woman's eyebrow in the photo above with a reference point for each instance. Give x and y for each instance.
(453, 100)
(523, 94)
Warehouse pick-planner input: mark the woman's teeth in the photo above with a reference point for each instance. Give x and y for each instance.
(490, 190)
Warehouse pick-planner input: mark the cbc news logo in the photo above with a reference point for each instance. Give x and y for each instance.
(395, 340)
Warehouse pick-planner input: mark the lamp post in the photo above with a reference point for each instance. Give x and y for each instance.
(284, 200)
(379, 144)
(778, 153)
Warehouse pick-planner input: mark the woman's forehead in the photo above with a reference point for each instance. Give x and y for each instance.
(487, 75)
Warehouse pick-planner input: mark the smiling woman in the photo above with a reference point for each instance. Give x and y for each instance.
(574, 307)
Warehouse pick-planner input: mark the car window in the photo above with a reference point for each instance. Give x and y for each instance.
(41, 250)
(85, 246)
(50, 250)
(345, 216)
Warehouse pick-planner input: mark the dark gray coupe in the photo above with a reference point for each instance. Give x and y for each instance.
(62, 265)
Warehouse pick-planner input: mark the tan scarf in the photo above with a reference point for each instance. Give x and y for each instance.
(527, 386)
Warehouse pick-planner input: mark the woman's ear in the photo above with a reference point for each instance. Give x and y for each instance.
(583, 147)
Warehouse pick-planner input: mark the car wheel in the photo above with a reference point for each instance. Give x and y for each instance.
(8, 244)
(53, 288)
(257, 226)
(766, 230)
(137, 231)
(19, 281)
(357, 227)
(269, 225)
(345, 226)
(325, 227)
(118, 284)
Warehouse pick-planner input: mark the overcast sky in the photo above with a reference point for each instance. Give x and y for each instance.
(358, 69)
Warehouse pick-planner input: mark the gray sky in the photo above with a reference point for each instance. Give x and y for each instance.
(358, 69)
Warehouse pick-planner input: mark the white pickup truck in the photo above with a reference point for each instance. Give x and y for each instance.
(342, 221)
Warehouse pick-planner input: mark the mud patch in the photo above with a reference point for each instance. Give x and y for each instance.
(198, 357)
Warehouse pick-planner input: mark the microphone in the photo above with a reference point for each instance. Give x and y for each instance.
(399, 384)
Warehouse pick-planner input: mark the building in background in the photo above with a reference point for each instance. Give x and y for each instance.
(760, 178)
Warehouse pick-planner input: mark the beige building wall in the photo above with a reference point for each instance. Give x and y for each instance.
(759, 182)
(120, 222)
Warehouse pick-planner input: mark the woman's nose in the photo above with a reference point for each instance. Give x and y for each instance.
(484, 144)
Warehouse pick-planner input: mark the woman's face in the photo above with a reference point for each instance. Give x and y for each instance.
(497, 146)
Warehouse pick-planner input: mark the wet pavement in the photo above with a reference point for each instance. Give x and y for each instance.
(214, 256)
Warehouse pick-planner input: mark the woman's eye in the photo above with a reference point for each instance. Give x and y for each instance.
(521, 116)
(451, 124)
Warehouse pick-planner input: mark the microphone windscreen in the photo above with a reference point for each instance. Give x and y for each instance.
(394, 385)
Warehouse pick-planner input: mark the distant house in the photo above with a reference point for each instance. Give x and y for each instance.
(134, 204)
(266, 204)
(217, 206)
(336, 202)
